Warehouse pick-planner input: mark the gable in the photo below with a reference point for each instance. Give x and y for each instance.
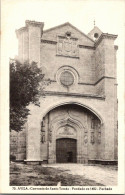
(95, 33)
(53, 33)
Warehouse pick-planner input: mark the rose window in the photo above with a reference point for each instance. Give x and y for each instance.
(67, 78)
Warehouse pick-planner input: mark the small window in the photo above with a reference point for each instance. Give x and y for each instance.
(96, 35)
(68, 34)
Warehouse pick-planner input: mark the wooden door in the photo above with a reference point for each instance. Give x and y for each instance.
(66, 150)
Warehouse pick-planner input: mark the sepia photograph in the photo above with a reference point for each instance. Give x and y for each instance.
(63, 84)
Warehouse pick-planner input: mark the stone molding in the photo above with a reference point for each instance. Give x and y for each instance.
(76, 102)
(105, 36)
(55, 125)
(102, 162)
(86, 47)
(70, 69)
(80, 46)
(34, 23)
(62, 55)
(93, 84)
(67, 120)
(104, 77)
(80, 83)
(55, 42)
(53, 93)
(48, 41)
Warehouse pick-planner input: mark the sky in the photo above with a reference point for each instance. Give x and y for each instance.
(109, 16)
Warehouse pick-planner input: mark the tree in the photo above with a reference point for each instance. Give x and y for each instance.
(27, 84)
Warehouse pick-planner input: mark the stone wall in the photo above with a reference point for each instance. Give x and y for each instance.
(18, 144)
(94, 70)
(13, 143)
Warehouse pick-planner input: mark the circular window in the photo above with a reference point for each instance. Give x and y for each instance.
(96, 35)
(66, 78)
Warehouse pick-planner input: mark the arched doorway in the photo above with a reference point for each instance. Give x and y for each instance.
(69, 134)
(66, 149)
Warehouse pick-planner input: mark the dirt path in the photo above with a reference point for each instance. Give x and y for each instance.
(44, 175)
(106, 175)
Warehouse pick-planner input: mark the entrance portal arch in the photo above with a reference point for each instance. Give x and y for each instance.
(95, 112)
(66, 123)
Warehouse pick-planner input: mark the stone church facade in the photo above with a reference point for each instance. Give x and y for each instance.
(77, 120)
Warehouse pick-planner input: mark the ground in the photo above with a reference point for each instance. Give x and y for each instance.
(62, 174)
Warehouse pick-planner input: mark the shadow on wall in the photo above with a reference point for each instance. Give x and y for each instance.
(12, 157)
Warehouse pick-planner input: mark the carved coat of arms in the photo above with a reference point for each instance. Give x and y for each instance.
(67, 46)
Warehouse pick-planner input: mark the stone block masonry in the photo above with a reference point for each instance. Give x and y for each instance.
(81, 101)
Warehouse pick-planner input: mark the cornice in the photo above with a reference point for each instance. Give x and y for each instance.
(55, 42)
(93, 84)
(105, 36)
(34, 23)
(65, 94)
(86, 47)
(48, 41)
(109, 36)
(62, 55)
(80, 83)
(104, 77)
